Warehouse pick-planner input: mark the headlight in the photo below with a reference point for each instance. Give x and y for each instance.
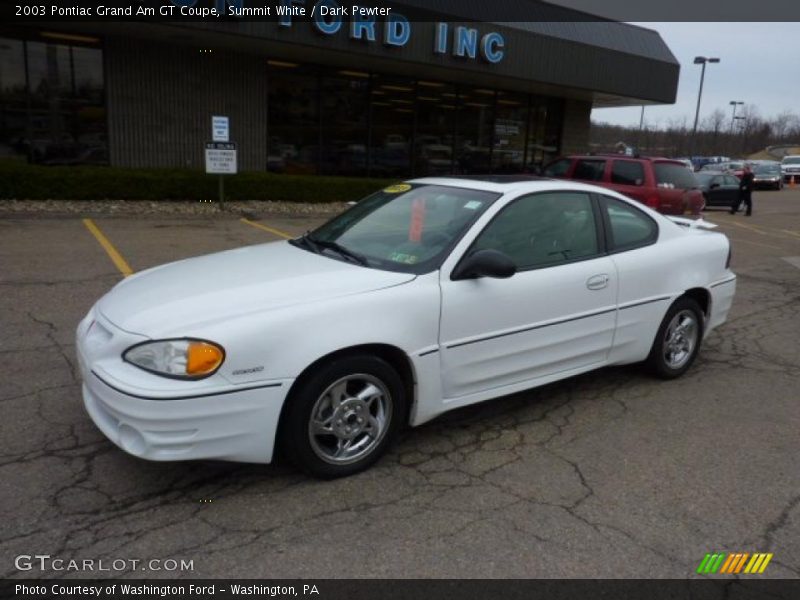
(180, 359)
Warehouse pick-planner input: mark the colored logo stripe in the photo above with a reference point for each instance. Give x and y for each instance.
(734, 563)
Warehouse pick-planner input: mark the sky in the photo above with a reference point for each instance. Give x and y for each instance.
(759, 66)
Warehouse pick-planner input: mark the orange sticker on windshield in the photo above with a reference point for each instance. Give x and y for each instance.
(417, 220)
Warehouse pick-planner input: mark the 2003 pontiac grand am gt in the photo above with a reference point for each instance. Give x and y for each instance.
(424, 297)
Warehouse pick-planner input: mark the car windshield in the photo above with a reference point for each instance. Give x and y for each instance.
(674, 175)
(795, 160)
(767, 170)
(405, 227)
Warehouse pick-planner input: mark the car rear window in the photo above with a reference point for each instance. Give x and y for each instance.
(627, 172)
(672, 175)
(589, 170)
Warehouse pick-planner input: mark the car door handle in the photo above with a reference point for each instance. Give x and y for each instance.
(597, 282)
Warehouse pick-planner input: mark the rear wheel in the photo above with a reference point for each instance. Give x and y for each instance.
(678, 339)
(341, 418)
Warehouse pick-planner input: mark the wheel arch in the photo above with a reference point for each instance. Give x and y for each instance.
(396, 357)
(703, 297)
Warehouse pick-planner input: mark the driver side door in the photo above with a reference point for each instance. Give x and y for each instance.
(556, 315)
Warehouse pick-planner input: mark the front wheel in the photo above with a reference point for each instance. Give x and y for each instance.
(678, 340)
(341, 418)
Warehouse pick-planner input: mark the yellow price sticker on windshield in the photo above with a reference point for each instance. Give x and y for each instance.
(397, 189)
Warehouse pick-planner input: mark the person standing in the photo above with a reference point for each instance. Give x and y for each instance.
(745, 192)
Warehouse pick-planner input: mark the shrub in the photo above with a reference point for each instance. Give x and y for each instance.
(21, 181)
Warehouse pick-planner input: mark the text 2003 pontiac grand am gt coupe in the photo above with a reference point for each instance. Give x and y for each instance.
(424, 297)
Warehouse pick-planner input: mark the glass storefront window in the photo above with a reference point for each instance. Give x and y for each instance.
(392, 103)
(55, 113)
(13, 99)
(437, 108)
(544, 131)
(293, 124)
(344, 110)
(473, 147)
(510, 129)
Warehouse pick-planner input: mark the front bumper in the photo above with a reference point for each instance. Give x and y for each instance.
(236, 426)
(233, 423)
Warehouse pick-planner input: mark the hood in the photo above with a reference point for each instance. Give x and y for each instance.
(168, 299)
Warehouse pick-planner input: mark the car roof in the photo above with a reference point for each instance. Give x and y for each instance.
(624, 157)
(503, 184)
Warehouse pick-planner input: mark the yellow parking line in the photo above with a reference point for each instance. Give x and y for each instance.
(115, 256)
(282, 234)
(750, 227)
(768, 232)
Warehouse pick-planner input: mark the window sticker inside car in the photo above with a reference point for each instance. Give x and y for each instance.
(473, 204)
(406, 259)
(397, 188)
(417, 220)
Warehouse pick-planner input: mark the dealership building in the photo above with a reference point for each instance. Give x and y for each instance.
(405, 95)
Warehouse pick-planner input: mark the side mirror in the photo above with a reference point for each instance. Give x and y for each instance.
(484, 263)
(714, 186)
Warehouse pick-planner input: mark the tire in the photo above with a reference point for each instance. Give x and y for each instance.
(669, 360)
(328, 431)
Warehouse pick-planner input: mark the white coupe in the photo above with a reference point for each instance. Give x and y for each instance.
(424, 297)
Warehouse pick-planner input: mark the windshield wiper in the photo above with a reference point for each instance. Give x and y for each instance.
(338, 248)
(309, 242)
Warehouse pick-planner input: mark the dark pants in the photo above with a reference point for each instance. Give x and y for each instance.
(745, 196)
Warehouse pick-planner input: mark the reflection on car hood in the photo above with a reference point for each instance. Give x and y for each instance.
(167, 299)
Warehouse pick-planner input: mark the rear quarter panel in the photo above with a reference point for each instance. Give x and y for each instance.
(652, 278)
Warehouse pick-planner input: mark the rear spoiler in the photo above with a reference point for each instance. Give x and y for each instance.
(692, 223)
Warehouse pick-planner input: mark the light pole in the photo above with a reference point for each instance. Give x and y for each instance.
(639, 135)
(734, 103)
(699, 60)
(741, 121)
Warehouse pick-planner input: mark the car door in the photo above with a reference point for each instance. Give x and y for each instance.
(717, 194)
(555, 315)
(628, 177)
(730, 187)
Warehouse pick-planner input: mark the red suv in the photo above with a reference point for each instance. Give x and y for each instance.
(660, 183)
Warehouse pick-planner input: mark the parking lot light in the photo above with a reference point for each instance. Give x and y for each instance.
(699, 60)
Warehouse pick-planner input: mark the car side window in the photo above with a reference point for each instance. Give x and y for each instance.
(731, 180)
(559, 168)
(627, 172)
(543, 230)
(589, 170)
(630, 227)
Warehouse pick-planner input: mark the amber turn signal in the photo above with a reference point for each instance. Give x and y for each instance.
(202, 358)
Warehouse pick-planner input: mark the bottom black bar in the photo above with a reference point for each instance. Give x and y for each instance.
(406, 589)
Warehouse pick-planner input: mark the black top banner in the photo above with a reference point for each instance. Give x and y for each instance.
(499, 11)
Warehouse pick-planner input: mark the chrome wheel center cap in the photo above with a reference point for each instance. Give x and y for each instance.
(349, 419)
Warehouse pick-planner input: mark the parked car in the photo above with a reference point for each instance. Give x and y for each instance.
(427, 296)
(719, 189)
(768, 175)
(663, 184)
(790, 167)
